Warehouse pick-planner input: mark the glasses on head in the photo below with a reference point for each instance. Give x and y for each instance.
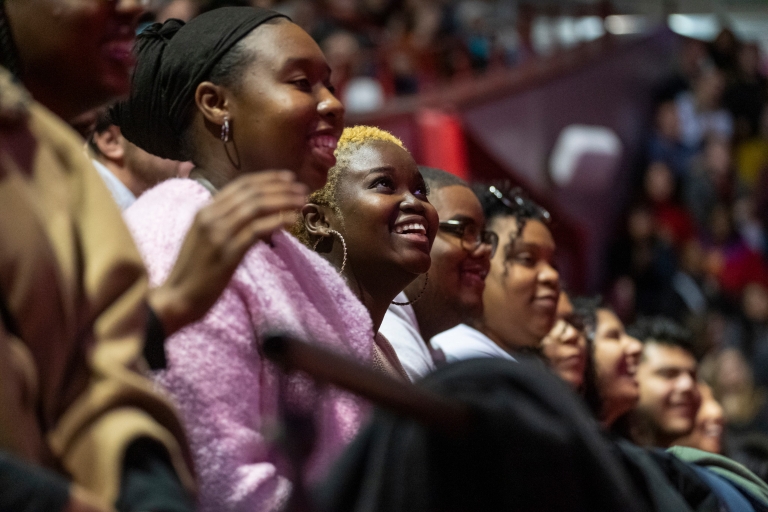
(517, 203)
(471, 235)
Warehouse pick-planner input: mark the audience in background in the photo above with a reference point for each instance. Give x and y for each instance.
(667, 377)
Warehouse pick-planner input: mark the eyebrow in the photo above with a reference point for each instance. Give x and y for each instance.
(304, 62)
(384, 168)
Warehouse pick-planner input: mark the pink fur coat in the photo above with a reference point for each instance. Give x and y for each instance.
(226, 392)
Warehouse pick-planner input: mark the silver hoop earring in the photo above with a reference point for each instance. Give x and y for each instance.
(343, 245)
(225, 131)
(426, 280)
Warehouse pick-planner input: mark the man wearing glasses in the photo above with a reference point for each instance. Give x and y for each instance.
(461, 256)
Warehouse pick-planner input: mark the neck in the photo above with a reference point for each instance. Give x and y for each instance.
(432, 314)
(376, 294)
(136, 185)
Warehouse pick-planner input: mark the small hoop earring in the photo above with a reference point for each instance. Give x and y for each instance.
(225, 131)
(343, 245)
(417, 297)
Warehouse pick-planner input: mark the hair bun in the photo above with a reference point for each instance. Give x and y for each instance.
(143, 118)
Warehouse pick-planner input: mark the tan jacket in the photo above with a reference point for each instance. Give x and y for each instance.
(76, 288)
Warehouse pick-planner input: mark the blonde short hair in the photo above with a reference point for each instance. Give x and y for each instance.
(351, 140)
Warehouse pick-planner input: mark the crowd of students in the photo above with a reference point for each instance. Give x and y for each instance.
(134, 375)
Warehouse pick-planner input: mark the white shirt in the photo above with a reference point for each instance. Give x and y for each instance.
(464, 342)
(121, 194)
(401, 328)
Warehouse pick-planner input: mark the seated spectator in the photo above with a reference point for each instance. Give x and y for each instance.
(648, 260)
(744, 405)
(674, 224)
(700, 111)
(127, 170)
(745, 96)
(375, 205)
(454, 293)
(565, 347)
(215, 91)
(611, 389)
(747, 330)
(712, 180)
(666, 145)
(709, 427)
(667, 377)
(522, 287)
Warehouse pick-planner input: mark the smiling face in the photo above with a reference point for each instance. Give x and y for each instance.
(76, 54)
(565, 347)
(457, 276)
(384, 215)
(709, 427)
(283, 113)
(522, 287)
(669, 394)
(616, 356)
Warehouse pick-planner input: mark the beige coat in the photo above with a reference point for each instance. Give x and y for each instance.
(76, 288)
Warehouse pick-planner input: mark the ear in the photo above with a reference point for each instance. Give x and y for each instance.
(110, 144)
(315, 220)
(212, 100)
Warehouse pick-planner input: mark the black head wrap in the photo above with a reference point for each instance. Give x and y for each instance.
(173, 58)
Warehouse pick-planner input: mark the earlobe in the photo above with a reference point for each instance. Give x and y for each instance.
(211, 100)
(315, 220)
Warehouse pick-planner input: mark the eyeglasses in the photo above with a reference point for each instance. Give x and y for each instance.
(471, 235)
(519, 203)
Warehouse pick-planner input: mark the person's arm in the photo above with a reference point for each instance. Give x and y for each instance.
(218, 383)
(248, 209)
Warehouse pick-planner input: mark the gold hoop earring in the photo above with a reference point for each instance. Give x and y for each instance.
(225, 130)
(426, 280)
(343, 245)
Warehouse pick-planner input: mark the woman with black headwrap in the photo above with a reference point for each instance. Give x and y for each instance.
(240, 92)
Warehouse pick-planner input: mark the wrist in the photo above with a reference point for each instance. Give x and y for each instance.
(169, 308)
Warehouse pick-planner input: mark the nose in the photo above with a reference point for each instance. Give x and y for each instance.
(571, 335)
(410, 202)
(330, 107)
(550, 276)
(686, 382)
(633, 347)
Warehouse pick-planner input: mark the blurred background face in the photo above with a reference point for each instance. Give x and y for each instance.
(709, 427)
(659, 183)
(565, 346)
(616, 356)
(669, 393)
(76, 54)
(522, 288)
(457, 276)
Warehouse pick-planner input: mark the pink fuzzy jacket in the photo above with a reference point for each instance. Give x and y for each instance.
(226, 392)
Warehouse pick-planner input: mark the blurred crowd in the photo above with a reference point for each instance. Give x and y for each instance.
(384, 48)
(694, 242)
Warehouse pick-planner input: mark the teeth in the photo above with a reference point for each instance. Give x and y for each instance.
(325, 141)
(411, 228)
